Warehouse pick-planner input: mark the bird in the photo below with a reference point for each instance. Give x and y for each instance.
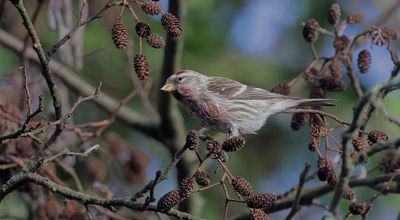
(228, 106)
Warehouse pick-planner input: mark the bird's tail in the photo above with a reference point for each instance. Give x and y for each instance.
(316, 102)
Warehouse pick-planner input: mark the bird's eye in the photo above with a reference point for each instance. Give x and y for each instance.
(180, 78)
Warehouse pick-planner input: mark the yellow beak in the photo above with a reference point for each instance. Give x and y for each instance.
(168, 87)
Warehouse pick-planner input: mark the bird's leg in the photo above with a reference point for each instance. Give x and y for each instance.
(202, 135)
(202, 131)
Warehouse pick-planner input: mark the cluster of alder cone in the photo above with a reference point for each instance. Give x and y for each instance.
(326, 75)
(120, 34)
(217, 151)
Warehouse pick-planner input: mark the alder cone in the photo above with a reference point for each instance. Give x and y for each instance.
(358, 207)
(355, 18)
(202, 178)
(142, 29)
(282, 89)
(390, 33)
(311, 30)
(192, 140)
(262, 200)
(299, 120)
(141, 65)
(359, 144)
(155, 41)
(171, 24)
(169, 200)
(258, 214)
(119, 35)
(334, 13)
(375, 136)
(241, 186)
(364, 60)
(390, 162)
(151, 8)
(233, 144)
(348, 193)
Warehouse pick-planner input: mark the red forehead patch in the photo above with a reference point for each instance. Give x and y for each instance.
(180, 72)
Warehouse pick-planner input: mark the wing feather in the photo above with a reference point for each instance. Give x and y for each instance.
(233, 90)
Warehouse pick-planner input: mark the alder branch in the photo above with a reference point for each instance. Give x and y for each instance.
(24, 127)
(37, 46)
(71, 79)
(83, 198)
(347, 163)
(311, 193)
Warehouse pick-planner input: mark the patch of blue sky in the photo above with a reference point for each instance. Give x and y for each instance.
(259, 27)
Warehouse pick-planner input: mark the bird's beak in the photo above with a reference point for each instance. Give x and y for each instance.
(168, 87)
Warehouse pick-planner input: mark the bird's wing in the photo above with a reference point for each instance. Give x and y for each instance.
(233, 90)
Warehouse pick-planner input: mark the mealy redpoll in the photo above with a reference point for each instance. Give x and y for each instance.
(229, 106)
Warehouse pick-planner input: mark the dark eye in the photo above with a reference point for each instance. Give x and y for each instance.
(180, 78)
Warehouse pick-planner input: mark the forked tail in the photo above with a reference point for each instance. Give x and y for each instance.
(316, 102)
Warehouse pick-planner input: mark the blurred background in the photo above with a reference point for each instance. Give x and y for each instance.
(256, 42)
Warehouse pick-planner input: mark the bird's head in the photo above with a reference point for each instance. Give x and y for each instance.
(183, 82)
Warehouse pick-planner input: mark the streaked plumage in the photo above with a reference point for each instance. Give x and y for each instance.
(229, 106)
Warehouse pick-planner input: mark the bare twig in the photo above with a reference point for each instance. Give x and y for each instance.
(37, 46)
(79, 24)
(353, 78)
(296, 201)
(319, 112)
(68, 153)
(164, 175)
